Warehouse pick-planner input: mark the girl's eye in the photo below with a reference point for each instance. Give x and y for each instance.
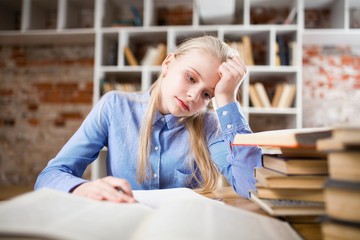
(190, 78)
(207, 96)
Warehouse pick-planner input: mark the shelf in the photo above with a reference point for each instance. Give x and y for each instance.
(31, 37)
(113, 25)
(332, 37)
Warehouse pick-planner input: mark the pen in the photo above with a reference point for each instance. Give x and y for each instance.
(120, 190)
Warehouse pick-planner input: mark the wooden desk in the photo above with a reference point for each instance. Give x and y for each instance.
(7, 192)
(305, 229)
(228, 196)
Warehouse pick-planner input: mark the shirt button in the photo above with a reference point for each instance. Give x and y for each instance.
(229, 126)
(162, 119)
(224, 113)
(155, 175)
(156, 148)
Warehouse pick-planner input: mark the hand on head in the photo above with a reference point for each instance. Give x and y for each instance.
(106, 189)
(232, 73)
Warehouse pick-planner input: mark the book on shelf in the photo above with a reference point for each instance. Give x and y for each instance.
(277, 55)
(248, 52)
(150, 56)
(254, 97)
(343, 200)
(287, 96)
(154, 55)
(291, 16)
(311, 195)
(36, 215)
(239, 47)
(263, 96)
(278, 92)
(281, 207)
(283, 50)
(286, 138)
(272, 179)
(130, 57)
(295, 166)
(244, 47)
(292, 53)
(125, 87)
(136, 15)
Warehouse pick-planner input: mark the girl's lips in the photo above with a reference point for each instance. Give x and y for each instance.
(182, 104)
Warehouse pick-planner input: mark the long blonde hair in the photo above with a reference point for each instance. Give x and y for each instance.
(209, 174)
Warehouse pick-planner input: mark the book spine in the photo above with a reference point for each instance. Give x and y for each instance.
(130, 57)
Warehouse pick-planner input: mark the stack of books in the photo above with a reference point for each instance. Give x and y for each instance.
(342, 190)
(290, 185)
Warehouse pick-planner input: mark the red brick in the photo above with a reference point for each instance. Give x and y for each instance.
(6, 92)
(33, 122)
(71, 115)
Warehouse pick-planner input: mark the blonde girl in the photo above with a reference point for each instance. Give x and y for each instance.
(164, 137)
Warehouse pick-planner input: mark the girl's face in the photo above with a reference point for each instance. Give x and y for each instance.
(189, 83)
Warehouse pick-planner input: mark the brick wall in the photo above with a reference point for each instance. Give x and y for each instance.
(45, 93)
(331, 87)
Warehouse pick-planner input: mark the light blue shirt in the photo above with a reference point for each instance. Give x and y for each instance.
(115, 121)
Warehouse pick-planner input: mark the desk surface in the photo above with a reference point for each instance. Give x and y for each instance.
(228, 196)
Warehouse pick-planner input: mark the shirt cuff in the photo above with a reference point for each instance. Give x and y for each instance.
(231, 117)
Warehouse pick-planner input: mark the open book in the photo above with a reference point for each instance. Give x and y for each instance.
(185, 215)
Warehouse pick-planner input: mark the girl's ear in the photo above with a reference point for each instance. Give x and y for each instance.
(166, 62)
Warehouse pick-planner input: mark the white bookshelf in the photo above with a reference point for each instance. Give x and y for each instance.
(151, 32)
(339, 30)
(92, 21)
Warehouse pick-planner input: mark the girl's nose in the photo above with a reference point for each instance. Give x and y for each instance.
(193, 94)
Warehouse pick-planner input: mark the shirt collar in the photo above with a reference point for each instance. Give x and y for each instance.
(170, 120)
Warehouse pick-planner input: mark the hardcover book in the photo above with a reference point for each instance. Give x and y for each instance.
(280, 207)
(295, 166)
(272, 179)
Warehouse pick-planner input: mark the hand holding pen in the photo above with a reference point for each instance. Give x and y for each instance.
(106, 189)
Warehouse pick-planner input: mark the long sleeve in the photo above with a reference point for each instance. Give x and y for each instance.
(65, 170)
(236, 163)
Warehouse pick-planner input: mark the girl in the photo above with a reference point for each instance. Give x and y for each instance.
(164, 137)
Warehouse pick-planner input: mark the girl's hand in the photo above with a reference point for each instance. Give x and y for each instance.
(232, 73)
(106, 189)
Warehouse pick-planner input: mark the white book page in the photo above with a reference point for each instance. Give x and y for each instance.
(197, 219)
(62, 215)
(156, 198)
